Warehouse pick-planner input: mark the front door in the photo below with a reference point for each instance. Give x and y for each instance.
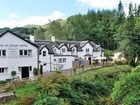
(25, 72)
(89, 58)
(41, 69)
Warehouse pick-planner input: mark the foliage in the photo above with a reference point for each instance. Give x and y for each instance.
(48, 100)
(13, 73)
(26, 100)
(107, 53)
(52, 82)
(88, 88)
(126, 90)
(36, 71)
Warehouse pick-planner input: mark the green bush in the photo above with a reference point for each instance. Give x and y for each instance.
(36, 71)
(13, 73)
(26, 100)
(127, 90)
(48, 100)
(72, 96)
(52, 82)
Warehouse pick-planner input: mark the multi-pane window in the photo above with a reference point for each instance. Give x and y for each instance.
(2, 70)
(25, 52)
(62, 60)
(63, 50)
(87, 50)
(2, 53)
(44, 53)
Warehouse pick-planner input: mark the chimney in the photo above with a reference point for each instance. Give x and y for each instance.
(32, 38)
(53, 38)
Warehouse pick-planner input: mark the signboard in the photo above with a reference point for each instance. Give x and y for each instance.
(12, 49)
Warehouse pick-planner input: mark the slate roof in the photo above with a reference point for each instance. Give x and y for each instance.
(4, 32)
(69, 44)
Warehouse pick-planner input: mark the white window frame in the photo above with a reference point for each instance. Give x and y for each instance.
(87, 50)
(25, 52)
(63, 50)
(44, 53)
(3, 70)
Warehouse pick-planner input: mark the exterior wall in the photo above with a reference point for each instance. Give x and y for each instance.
(12, 44)
(74, 51)
(45, 60)
(65, 65)
(98, 53)
(82, 53)
(56, 49)
(66, 51)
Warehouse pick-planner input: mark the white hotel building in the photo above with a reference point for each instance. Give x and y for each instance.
(22, 56)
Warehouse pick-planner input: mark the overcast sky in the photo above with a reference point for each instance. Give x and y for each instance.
(15, 13)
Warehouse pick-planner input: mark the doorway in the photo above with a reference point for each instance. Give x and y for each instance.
(24, 72)
(41, 69)
(89, 58)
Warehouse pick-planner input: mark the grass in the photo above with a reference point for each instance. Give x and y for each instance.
(26, 90)
(104, 71)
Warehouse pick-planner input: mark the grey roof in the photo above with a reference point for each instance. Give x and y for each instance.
(69, 44)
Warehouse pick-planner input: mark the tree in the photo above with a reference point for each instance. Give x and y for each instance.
(126, 90)
(120, 13)
(39, 33)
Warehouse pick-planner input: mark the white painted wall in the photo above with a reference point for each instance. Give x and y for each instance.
(56, 49)
(46, 60)
(82, 53)
(12, 44)
(66, 51)
(66, 65)
(74, 51)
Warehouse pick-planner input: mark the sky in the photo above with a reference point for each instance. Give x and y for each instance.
(17, 13)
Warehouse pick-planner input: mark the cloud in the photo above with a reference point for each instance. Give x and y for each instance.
(107, 4)
(16, 21)
(14, 16)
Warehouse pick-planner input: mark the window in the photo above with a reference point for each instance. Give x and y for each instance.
(25, 52)
(87, 50)
(2, 70)
(2, 53)
(54, 60)
(63, 50)
(60, 60)
(73, 50)
(64, 60)
(44, 53)
(54, 50)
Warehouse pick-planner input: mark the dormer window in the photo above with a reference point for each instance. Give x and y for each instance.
(73, 50)
(87, 50)
(54, 50)
(44, 53)
(63, 50)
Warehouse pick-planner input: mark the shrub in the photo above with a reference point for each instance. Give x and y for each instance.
(49, 101)
(26, 100)
(36, 71)
(13, 73)
(126, 90)
(71, 95)
(52, 82)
